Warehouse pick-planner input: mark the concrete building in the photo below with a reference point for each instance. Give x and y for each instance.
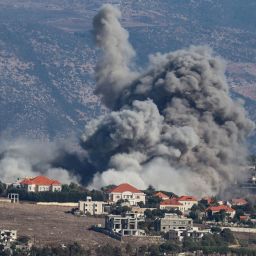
(128, 193)
(40, 184)
(173, 222)
(124, 225)
(7, 236)
(92, 207)
(195, 233)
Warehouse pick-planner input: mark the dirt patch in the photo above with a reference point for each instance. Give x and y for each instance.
(51, 225)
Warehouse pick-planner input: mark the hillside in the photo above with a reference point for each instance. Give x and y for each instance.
(47, 55)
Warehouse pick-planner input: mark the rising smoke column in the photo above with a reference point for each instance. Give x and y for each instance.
(173, 126)
(114, 71)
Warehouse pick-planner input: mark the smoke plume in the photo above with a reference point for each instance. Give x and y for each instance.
(22, 158)
(174, 125)
(113, 72)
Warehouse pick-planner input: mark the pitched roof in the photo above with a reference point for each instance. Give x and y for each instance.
(219, 208)
(239, 201)
(40, 180)
(187, 198)
(208, 199)
(161, 195)
(243, 217)
(124, 188)
(172, 201)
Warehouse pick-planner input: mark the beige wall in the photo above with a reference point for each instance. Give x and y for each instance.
(133, 198)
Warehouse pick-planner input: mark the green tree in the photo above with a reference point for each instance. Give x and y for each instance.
(227, 235)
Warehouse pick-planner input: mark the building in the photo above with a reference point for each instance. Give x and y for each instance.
(173, 222)
(124, 225)
(7, 236)
(92, 207)
(126, 192)
(194, 233)
(187, 203)
(162, 196)
(238, 202)
(171, 203)
(139, 212)
(217, 209)
(40, 184)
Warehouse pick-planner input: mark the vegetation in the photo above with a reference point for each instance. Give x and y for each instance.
(69, 193)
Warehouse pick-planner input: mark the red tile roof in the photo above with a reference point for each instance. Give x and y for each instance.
(40, 180)
(125, 187)
(243, 217)
(186, 198)
(161, 195)
(219, 208)
(239, 201)
(208, 199)
(172, 201)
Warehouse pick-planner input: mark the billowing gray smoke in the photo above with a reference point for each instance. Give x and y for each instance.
(173, 126)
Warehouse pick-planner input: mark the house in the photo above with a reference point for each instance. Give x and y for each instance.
(244, 218)
(7, 236)
(92, 207)
(161, 195)
(126, 225)
(40, 184)
(126, 192)
(194, 233)
(173, 222)
(217, 209)
(171, 203)
(238, 202)
(140, 211)
(187, 203)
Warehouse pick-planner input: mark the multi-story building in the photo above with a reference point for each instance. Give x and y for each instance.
(92, 207)
(40, 184)
(128, 193)
(7, 236)
(171, 203)
(124, 225)
(173, 222)
(194, 233)
(187, 203)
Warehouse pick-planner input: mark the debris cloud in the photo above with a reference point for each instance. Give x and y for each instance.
(173, 125)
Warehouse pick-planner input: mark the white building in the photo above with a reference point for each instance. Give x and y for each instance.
(92, 207)
(187, 203)
(194, 232)
(171, 203)
(7, 236)
(128, 193)
(40, 184)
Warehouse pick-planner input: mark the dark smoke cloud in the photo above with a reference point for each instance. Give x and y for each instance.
(174, 126)
(113, 72)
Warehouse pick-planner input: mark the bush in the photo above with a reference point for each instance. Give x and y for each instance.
(227, 235)
(169, 247)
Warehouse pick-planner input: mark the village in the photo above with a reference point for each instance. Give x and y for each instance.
(121, 213)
